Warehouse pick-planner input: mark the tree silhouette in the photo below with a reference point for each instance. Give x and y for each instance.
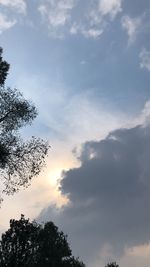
(29, 244)
(4, 68)
(112, 264)
(19, 160)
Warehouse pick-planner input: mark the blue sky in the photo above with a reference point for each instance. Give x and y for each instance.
(86, 66)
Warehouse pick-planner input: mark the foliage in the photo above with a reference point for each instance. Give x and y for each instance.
(29, 244)
(4, 68)
(19, 160)
(112, 264)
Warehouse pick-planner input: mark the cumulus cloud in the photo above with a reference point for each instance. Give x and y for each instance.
(109, 194)
(18, 5)
(145, 59)
(86, 32)
(131, 25)
(110, 7)
(10, 10)
(100, 15)
(56, 13)
(5, 23)
(94, 33)
(91, 24)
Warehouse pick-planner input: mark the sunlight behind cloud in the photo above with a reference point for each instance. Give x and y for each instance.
(85, 65)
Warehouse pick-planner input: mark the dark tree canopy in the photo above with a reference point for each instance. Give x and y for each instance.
(19, 160)
(112, 264)
(4, 68)
(29, 244)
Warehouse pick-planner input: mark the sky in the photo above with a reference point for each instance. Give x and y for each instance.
(85, 64)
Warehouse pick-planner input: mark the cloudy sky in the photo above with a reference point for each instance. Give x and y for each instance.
(86, 66)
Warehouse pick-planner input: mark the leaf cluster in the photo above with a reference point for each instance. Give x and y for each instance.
(29, 244)
(20, 161)
(4, 68)
(112, 264)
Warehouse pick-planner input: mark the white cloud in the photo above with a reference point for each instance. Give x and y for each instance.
(86, 32)
(57, 13)
(75, 28)
(92, 23)
(131, 25)
(97, 17)
(92, 33)
(5, 23)
(110, 7)
(18, 5)
(145, 59)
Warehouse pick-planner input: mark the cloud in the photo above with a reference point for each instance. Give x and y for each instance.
(17, 5)
(132, 26)
(57, 13)
(145, 59)
(100, 16)
(8, 18)
(110, 7)
(92, 32)
(136, 256)
(109, 194)
(5, 23)
(91, 24)
(96, 17)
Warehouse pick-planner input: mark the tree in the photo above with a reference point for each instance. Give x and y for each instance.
(19, 160)
(112, 264)
(29, 244)
(4, 68)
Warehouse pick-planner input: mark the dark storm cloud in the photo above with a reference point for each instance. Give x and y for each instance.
(109, 194)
